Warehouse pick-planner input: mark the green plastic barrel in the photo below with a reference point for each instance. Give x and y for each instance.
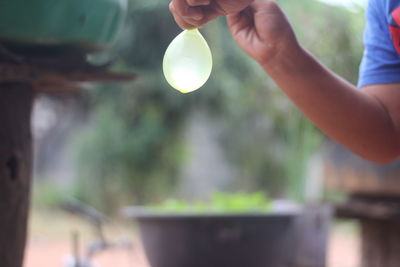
(89, 24)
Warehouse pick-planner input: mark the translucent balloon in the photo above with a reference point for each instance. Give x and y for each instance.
(187, 62)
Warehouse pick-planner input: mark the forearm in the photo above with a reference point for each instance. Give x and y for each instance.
(349, 115)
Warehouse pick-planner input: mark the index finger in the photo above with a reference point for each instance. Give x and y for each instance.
(187, 12)
(179, 20)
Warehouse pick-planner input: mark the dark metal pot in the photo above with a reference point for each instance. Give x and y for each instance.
(216, 240)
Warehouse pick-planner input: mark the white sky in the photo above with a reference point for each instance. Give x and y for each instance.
(347, 3)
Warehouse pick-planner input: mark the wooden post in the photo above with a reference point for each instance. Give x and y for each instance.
(15, 170)
(21, 75)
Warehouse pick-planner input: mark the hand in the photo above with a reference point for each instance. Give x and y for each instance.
(262, 31)
(191, 14)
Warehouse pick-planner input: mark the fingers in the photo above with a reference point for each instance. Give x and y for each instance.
(188, 13)
(179, 20)
(240, 21)
(260, 9)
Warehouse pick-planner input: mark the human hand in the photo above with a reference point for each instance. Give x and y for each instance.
(262, 31)
(191, 14)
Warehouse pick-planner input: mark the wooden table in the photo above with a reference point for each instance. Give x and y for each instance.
(373, 199)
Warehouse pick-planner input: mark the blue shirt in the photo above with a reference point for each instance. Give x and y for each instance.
(381, 60)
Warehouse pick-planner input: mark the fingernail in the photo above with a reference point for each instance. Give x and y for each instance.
(197, 17)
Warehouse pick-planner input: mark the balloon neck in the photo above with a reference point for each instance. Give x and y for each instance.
(193, 30)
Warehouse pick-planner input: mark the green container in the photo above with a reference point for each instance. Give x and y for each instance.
(89, 24)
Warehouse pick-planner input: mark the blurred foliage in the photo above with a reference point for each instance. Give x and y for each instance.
(48, 195)
(219, 203)
(133, 148)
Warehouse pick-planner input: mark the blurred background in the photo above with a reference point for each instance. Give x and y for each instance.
(115, 145)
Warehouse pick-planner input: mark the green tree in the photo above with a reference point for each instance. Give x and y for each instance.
(134, 146)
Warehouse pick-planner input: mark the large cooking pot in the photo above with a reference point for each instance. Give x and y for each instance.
(280, 238)
(88, 24)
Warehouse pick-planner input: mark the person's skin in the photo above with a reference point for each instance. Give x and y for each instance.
(365, 120)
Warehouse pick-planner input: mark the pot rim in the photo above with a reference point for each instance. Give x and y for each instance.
(140, 212)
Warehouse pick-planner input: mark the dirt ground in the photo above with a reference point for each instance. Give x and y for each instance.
(50, 233)
(42, 253)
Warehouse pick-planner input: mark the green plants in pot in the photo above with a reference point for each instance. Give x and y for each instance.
(232, 230)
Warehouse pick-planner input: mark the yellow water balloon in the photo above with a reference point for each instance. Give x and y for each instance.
(187, 61)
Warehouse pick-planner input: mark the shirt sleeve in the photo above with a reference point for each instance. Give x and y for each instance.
(380, 63)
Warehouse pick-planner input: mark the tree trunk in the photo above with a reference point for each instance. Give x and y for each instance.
(380, 243)
(15, 170)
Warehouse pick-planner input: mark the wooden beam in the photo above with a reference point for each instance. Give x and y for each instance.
(15, 170)
(55, 72)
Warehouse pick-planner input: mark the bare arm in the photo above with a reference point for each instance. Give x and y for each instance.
(365, 120)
